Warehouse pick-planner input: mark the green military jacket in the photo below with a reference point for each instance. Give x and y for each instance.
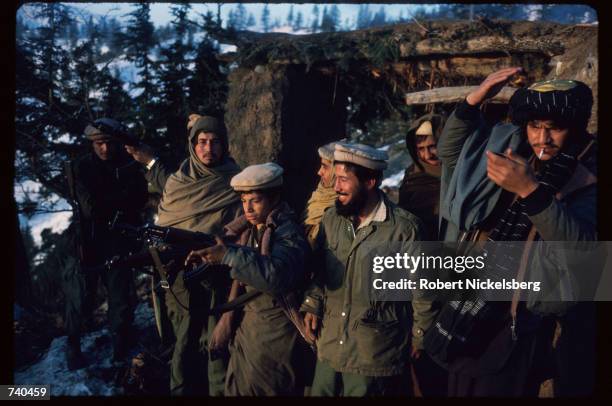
(358, 335)
(265, 354)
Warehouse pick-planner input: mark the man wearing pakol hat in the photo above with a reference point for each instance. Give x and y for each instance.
(324, 195)
(533, 179)
(267, 255)
(354, 357)
(104, 183)
(198, 197)
(419, 192)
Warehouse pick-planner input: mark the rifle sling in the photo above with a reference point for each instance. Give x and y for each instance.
(237, 303)
(159, 267)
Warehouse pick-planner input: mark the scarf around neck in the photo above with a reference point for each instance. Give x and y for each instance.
(196, 191)
(322, 198)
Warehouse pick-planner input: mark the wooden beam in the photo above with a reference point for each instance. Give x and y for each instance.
(453, 95)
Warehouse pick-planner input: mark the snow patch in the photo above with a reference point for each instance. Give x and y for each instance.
(393, 181)
(94, 379)
(57, 222)
(225, 48)
(65, 138)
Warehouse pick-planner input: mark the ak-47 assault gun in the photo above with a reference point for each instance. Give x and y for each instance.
(117, 130)
(166, 248)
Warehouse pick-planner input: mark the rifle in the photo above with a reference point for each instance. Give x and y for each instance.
(165, 248)
(118, 131)
(76, 209)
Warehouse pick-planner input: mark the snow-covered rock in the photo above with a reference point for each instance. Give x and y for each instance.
(94, 379)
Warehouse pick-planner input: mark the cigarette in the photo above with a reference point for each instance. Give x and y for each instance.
(541, 153)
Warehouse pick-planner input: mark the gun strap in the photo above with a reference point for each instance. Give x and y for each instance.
(159, 267)
(237, 303)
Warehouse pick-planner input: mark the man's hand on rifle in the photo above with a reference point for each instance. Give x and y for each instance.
(142, 153)
(211, 255)
(311, 322)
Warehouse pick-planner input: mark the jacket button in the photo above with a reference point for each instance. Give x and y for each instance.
(341, 342)
(343, 314)
(307, 300)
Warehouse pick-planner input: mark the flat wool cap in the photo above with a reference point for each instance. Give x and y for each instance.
(258, 177)
(327, 151)
(102, 129)
(362, 155)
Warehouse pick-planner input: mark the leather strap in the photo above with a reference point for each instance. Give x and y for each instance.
(159, 267)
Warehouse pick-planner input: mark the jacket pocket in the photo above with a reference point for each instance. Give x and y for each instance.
(380, 343)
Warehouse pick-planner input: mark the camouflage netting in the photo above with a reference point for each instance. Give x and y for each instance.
(291, 93)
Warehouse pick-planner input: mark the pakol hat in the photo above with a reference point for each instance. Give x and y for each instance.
(258, 177)
(103, 129)
(327, 151)
(362, 155)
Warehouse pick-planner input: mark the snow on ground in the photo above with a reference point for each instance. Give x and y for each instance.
(93, 380)
(393, 181)
(225, 48)
(287, 29)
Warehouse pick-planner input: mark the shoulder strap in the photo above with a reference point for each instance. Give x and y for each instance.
(520, 276)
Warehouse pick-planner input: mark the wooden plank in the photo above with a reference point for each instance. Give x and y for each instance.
(454, 95)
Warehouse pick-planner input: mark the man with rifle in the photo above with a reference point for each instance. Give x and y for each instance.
(102, 183)
(197, 197)
(265, 255)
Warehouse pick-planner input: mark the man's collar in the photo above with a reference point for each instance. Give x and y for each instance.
(379, 214)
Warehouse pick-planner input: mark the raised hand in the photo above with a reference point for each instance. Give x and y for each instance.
(492, 85)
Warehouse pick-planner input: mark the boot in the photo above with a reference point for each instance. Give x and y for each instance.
(74, 356)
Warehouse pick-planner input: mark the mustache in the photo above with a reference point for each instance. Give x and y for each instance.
(551, 145)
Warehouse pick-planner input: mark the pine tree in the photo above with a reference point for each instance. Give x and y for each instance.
(251, 21)
(114, 101)
(174, 74)
(241, 17)
(335, 16)
(314, 26)
(45, 106)
(299, 20)
(208, 84)
(138, 41)
(380, 18)
(364, 17)
(327, 24)
(265, 18)
(290, 16)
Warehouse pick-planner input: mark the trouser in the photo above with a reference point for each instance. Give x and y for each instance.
(329, 382)
(575, 353)
(192, 372)
(431, 378)
(80, 293)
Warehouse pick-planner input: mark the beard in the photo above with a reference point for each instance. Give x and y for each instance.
(353, 207)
